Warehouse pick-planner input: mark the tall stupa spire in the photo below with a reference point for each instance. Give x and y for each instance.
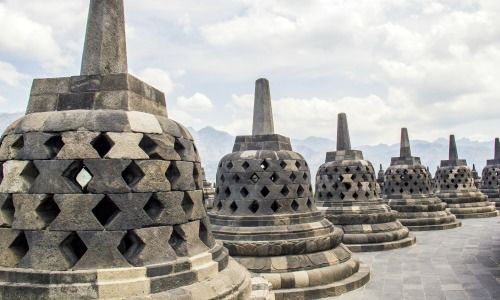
(453, 154)
(497, 148)
(262, 110)
(105, 50)
(343, 139)
(404, 150)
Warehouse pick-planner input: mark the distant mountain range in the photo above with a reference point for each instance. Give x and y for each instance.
(213, 144)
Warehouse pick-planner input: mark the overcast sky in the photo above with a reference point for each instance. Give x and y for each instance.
(432, 66)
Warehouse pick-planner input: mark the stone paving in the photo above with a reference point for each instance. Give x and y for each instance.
(461, 263)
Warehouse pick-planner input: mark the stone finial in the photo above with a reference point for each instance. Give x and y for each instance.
(381, 167)
(343, 139)
(404, 150)
(473, 167)
(497, 148)
(105, 50)
(262, 111)
(453, 154)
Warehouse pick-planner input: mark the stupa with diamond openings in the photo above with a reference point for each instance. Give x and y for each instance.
(455, 186)
(266, 215)
(101, 192)
(490, 180)
(346, 191)
(408, 190)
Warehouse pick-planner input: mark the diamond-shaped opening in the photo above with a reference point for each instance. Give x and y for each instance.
(102, 144)
(236, 178)
(1, 172)
(353, 176)
(293, 177)
(187, 204)
(284, 191)
(73, 248)
(335, 186)
(275, 206)
(172, 173)
(355, 195)
(323, 186)
(222, 178)
(176, 240)
(283, 164)
(48, 210)
(83, 178)
(305, 176)
(219, 205)
(297, 164)
(153, 207)
(179, 147)
(360, 185)
(341, 178)
(8, 209)
(149, 146)
(19, 246)
(227, 192)
(205, 235)
(54, 145)
(254, 206)
(300, 191)
(19, 143)
(295, 205)
(347, 170)
(342, 196)
(245, 165)
(254, 178)
(132, 174)
(233, 207)
(105, 211)
(309, 203)
(347, 186)
(367, 194)
(244, 192)
(274, 177)
(264, 165)
(264, 192)
(30, 172)
(130, 245)
(229, 165)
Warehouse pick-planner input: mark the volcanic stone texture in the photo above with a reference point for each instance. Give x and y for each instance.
(455, 186)
(490, 180)
(408, 190)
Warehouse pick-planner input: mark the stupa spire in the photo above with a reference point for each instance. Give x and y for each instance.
(105, 50)
(343, 139)
(404, 150)
(453, 154)
(497, 148)
(262, 110)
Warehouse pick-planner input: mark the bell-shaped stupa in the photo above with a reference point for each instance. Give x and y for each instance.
(490, 181)
(346, 191)
(101, 192)
(266, 215)
(408, 189)
(455, 186)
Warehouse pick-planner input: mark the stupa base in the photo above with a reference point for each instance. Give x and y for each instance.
(195, 278)
(406, 242)
(434, 226)
(489, 214)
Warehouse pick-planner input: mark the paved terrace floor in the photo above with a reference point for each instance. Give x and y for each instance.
(455, 264)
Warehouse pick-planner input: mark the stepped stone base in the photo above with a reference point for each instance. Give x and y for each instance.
(435, 226)
(406, 242)
(466, 205)
(232, 282)
(262, 289)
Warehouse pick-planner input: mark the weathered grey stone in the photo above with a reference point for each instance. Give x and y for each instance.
(17, 176)
(10, 146)
(180, 176)
(263, 112)
(56, 177)
(97, 240)
(107, 176)
(185, 239)
(76, 213)
(166, 208)
(129, 212)
(6, 210)
(155, 249)
(105, 45)
(153, 176)
(125, 146)
(38, 145)
(13, 247)
(159, 147)
(33, 211)
(46, 251)
(490, 179)
(78, 145)
(343, 139)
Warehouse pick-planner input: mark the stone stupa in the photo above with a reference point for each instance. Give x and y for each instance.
(490, 182)
(101, 192)
(380, 177)
(265, 214)
(346, 191)
(408, 189)
(455, 186)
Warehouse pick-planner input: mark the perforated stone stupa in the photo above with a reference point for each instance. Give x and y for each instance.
(408, 190)
(266, 215)
(490, 181)
(101, 192)
(455, 186)
(346, 191)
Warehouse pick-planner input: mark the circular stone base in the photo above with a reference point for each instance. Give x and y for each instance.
(406, 242)
(477, 215)
(357, 280)
(435, 227)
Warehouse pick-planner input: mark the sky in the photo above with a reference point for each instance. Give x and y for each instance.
(431, 66)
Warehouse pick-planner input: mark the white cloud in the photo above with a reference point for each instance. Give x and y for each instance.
(196, 103)
(158, 78)
(3, 100)
(10, 75)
